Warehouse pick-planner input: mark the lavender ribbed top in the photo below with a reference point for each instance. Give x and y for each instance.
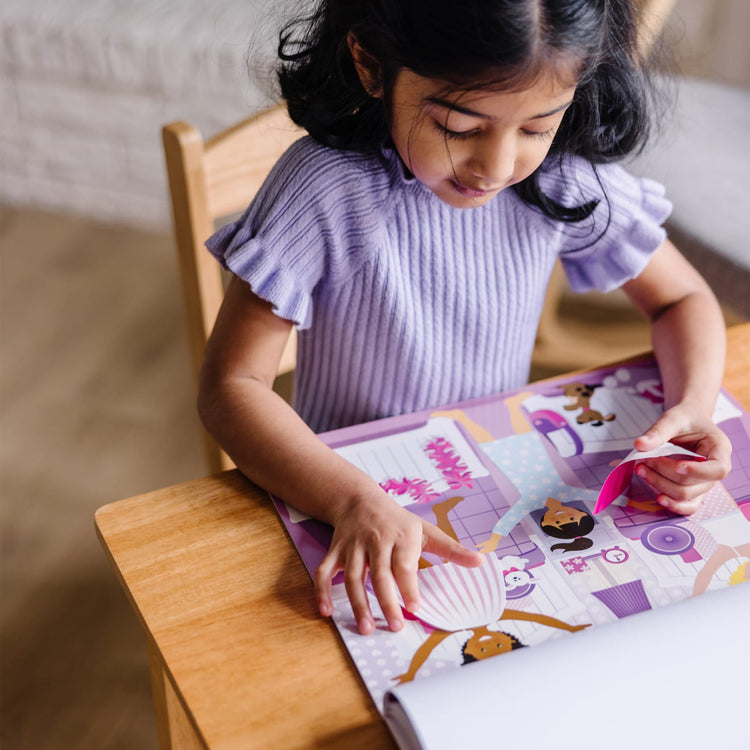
(403, 302)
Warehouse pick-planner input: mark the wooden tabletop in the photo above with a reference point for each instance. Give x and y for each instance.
(229, 609)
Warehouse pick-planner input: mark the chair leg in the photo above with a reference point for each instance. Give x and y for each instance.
(174, 728)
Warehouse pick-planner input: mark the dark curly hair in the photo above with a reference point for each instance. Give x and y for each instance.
(470, 44)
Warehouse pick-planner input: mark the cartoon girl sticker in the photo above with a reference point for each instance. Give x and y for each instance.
(567, 522)
(484, 641)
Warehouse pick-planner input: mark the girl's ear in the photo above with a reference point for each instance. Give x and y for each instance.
(367, 67)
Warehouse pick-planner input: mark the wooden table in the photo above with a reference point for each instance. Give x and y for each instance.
(239, 656)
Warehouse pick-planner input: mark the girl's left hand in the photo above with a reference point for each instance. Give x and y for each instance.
(681, 484)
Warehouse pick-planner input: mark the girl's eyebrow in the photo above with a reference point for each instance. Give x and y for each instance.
(473, 113)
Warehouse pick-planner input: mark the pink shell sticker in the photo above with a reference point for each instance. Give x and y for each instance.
(456, 598)
(620, 477)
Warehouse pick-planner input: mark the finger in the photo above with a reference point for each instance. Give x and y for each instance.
(683, 507)
(384, 586)
(671, 426)
(665, 428)
(405, 564)
(717, 447)
(355, 573)
(711, 443)
(684, 471)
(329, 566)
(678, 492)
(439, 543)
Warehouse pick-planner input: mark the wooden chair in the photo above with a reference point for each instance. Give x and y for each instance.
(653, 15)
(210, 182)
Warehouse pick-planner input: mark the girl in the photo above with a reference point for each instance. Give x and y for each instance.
(456, 150)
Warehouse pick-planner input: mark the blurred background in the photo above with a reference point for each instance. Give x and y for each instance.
(97, 397)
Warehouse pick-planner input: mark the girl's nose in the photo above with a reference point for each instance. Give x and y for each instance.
(494, 160)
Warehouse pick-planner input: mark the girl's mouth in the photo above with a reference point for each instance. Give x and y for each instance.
(469, 192)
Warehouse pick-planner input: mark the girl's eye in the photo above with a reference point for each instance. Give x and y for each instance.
(458, 135)
(544, 135)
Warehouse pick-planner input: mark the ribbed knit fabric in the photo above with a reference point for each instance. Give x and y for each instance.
(403, 302)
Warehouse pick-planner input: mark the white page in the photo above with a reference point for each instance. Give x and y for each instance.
(674, 677)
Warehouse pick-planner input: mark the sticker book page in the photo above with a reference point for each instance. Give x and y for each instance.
(518, 476)
(596, 690)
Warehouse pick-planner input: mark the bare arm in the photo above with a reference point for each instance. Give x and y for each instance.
(689, 342)
(273, 447)
(264, 436)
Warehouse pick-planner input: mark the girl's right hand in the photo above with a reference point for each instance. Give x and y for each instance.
(375, 535)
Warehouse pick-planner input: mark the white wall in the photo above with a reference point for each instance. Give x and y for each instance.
(85, 86)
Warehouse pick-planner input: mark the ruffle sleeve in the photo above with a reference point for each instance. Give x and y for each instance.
(617, 241)
(312, 223)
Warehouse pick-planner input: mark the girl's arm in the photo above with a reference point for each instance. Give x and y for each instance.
(689, 342)
(274, 448)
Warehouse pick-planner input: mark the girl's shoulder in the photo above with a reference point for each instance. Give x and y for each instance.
(322, 178)
(614, 242)
(315, 220)
(572, 181)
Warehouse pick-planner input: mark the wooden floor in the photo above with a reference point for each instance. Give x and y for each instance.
(97, 405)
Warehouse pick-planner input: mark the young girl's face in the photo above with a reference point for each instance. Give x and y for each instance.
(560, 515)
(467, 146)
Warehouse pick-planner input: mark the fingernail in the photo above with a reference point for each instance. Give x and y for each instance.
(682, 469)
(640, 470)
(395, 625)
(325, 609)
(365, 626)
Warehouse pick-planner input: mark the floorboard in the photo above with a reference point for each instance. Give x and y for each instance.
(97, 404)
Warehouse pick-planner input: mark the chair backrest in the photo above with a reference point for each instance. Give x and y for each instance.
(210, 181)
(652, 17)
